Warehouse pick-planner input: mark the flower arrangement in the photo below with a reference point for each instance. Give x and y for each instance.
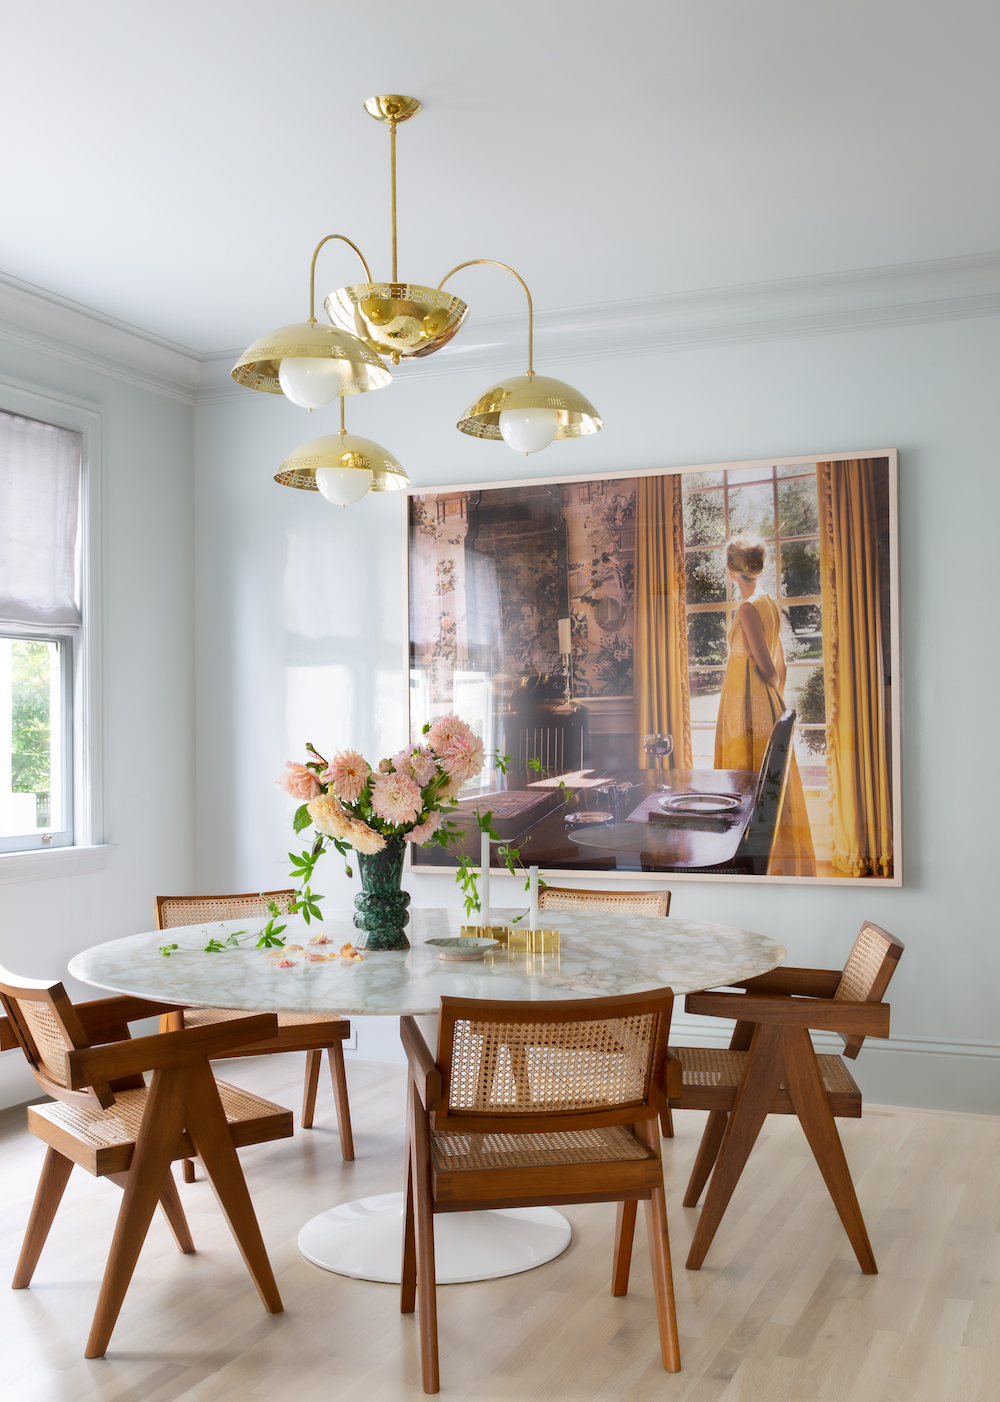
(409, 795)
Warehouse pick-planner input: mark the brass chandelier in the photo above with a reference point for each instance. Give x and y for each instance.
(313, 364)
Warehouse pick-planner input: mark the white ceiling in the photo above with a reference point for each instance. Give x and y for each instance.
(174, 166)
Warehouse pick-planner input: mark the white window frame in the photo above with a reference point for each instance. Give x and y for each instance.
(89, 849)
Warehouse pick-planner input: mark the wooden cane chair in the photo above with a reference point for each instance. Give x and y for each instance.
(653, 903)
(534, 1104)
(312, 1033)
(771, 1068)
(105, 1119)
(614, 902)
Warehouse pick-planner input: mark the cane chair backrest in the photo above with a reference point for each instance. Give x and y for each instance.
(515, 1065)
(870, 965)
(45, 1023)
(613, 902)
(173, 911)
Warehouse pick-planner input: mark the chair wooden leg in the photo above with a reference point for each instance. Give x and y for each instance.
(708, 1152)
(754, 1098)
(187, 1170)
(214, 1142)
(659, 1255)
(408, 1272)
(624, 1232)
(807, 1094)
(424, 1224)
(51, 1186)
(313, 1059)
(162, 1125)
(338, 1075)
(170, 1205)
(667, 1123)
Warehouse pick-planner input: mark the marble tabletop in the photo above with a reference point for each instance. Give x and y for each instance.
(600, 954)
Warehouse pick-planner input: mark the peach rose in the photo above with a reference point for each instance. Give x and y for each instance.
(299, 782)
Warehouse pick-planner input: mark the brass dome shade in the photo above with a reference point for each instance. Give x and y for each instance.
(258, 367)
(392, 107)
(397, 318)
(577, 416)
(342, 451)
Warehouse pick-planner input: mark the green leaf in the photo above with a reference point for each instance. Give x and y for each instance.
(167, 949)
(302, 818)
(214, 947)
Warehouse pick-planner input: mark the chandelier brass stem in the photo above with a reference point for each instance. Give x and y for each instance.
(392, 167)
(492, 262)
(312, 269)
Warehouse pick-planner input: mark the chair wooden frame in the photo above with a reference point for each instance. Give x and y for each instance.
(783, 1075)
(295, 1031)
(431, 1189)
(181, 1115)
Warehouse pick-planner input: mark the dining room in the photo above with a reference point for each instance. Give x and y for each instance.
(414, 853)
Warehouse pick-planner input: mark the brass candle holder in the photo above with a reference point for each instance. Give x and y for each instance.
(533, 941)
(485, 932)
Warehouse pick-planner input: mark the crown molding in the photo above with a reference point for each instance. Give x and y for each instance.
(903, 294)
(43, 321)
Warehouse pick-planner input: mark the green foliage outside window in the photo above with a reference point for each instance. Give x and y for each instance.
(811, 706)
(30, 740)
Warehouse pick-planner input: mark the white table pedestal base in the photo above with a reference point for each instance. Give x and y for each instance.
(364, 1239)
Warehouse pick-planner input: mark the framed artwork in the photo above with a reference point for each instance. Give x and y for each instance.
(691, 673)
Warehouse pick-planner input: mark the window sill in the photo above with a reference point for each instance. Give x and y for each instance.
(54, 861)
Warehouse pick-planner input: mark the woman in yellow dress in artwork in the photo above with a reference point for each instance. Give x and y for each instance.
(751, 702)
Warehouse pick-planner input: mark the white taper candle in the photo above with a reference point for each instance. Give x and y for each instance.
(565, 639)
(533, 897)
(484, 880)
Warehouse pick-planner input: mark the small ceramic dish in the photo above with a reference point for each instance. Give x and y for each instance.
(463, 948)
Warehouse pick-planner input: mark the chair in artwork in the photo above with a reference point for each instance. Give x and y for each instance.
(771, 1068)
(532, 1104)
(104, 1118)
(754, 853)
(312, 1033)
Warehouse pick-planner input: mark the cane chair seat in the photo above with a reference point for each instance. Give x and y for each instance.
(653, 903)
(454, 1152)
(711, 1069)
(106, 1138)
(312, 1033)
(204, 1017)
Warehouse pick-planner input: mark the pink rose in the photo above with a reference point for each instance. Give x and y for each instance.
(298, 781)
(427, 828)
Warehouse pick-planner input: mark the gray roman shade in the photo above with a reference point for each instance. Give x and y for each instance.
(39, 517)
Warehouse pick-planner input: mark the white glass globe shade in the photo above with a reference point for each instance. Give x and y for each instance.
(343, 485)
(312, 381)
(528, 430)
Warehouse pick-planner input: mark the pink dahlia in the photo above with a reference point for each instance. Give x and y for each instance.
(396, 799)
(299, 781)
(417, 764)
(348, 774)
(444, 731)
(427, 829)
(463, 758)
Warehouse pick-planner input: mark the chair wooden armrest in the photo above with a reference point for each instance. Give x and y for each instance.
(819, 1014)
(97, 1065)
(103, 1015)
(808, 983)
(673, 1076)
(423, 1067)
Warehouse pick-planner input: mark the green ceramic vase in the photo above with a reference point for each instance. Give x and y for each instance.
(381, 906)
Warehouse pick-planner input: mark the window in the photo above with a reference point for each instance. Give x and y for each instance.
(49, 794)
(779, 504)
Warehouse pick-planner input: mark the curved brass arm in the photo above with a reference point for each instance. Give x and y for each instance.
(312, 271)
(492, 262)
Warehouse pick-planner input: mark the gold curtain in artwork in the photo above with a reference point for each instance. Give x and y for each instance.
(857, 759)
(660, 665)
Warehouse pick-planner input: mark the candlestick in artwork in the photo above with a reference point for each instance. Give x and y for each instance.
(565, 641)
(484, 880)
(533, 898)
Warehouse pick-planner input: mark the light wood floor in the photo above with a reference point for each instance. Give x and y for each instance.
(779, 1312)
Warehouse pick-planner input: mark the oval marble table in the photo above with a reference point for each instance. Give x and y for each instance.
(600, 954)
